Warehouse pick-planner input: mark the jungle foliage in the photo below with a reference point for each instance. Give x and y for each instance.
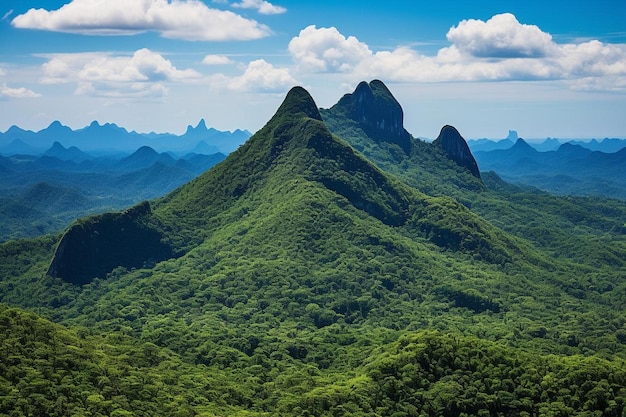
(327, 274)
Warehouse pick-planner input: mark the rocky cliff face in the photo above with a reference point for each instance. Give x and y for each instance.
(456, 148)
(95, 246)
(378, 112)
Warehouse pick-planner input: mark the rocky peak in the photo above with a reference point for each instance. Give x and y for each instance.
(378, 112)
(456, 148)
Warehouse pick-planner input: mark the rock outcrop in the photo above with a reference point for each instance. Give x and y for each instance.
(456, 148)
(378, 112)
(95, 246)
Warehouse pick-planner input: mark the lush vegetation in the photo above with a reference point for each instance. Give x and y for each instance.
(310, 281)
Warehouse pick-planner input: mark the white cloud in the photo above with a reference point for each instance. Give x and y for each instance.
(133, 90)
(2, 72)
(502, 36)
(21, 92)
(145, 72)
(177, 19)
(325, 49)
(263, 7)
(501, 49)
(7, 14)
(216, 60)
(261, 76)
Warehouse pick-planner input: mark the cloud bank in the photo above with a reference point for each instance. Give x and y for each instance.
(259, 76)
(177, 19)
(500, 49)
(142, 74)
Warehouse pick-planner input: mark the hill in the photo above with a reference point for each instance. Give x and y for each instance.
(45, 194)
(569, 170)
(66, 154)
(302, 277)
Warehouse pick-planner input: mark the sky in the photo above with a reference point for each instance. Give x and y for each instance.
(543, 68)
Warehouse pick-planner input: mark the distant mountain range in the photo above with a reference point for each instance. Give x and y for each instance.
(109, 137)
(608, 145)
(571, 169)
(43, 194)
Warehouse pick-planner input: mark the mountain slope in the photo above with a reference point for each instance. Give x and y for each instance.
(295, 146)
(302, 278)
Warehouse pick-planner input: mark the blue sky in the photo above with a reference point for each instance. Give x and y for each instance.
(543, 68)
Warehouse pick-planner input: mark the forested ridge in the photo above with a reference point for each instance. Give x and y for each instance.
(329, 274)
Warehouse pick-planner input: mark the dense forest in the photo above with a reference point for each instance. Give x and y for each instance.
(331, 266)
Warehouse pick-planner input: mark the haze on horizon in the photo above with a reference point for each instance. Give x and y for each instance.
(554, 69)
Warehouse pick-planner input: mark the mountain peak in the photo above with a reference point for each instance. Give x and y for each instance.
(455, 146)
(56, 127)
(200, 128)
(512, 136)
(298, 102)
(201, 125)
(378, 112)
(57, 146)
(522, 144)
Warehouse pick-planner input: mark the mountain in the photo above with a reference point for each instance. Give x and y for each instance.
(45, 194)
(489, 145)
(572, 169)
(66, 154)
(606, 145)
(297, 133)
(17, 147)
(144, 157)
(299, 276)
(377, 112)
(455, 147)
(550, 144)
(437, 165)
(204, 147)
(110, 138)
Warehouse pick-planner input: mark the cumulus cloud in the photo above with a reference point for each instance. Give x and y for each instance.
(326, 49)
(500, 49)
(216, 60)
(113, 75)
(21, 92)
(502, 36)
(263, 7)
(261, 76)
(178, 19)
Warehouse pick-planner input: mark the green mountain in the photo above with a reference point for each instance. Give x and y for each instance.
(320, 273)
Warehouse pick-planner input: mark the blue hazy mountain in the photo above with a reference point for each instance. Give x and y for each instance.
(17, 147)
(99, 138)
(67, 154)
(569, 170)
(43, 194)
